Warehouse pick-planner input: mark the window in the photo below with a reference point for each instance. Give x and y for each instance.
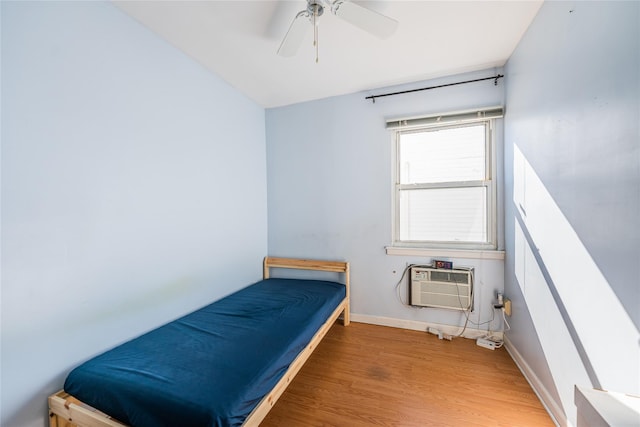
(444, 192)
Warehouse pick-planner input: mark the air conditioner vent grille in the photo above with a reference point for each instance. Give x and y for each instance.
(452, 289)
(447, 276)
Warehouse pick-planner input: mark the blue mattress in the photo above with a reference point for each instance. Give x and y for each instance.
(213, 366)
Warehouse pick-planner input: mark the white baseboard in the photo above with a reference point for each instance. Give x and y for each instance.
(416, 325)
(557, 414)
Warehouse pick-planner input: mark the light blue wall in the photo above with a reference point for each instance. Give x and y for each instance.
(330, 190)
(572, 198)
(133, 191)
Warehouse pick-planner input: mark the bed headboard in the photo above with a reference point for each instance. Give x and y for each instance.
(305, 264)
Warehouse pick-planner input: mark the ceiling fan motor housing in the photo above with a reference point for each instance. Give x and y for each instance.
(314, 8)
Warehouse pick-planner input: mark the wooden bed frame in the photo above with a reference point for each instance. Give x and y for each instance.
(67, 411)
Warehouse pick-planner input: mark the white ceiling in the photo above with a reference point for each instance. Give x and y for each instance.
(238, 40)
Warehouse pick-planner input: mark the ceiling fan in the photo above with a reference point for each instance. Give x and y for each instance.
(366, 19)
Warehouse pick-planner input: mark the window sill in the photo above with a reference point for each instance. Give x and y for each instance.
(446, 253)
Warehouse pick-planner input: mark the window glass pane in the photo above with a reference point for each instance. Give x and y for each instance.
(443, 155)
(444, 214)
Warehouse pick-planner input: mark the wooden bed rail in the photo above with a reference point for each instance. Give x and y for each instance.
(67, 411)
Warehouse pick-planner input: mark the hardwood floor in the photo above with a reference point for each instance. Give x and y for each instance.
(365, 375)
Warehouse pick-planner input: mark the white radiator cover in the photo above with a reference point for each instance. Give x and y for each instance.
(441, 288)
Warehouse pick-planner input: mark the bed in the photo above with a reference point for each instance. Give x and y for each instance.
(223, 365)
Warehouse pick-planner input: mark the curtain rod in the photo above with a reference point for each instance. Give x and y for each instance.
(494, 78)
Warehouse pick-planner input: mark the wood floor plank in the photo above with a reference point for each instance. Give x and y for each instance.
(366, 375)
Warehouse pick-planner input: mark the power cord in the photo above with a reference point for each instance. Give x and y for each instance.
(404, 273)
(504, 318)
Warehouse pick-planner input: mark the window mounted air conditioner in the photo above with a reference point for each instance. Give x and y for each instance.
(441, 288)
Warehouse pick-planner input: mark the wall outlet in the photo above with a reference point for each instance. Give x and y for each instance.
(507, 307)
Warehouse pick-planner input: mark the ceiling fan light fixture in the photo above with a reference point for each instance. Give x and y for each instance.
(315, 9)
(366, 19)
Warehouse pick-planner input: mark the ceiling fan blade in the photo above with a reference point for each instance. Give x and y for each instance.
(366, 19)
(295, 35)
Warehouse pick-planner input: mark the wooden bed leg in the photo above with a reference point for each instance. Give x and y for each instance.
(346, 315)
(55, 421)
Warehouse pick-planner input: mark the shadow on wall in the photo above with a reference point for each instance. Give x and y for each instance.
(586, 334)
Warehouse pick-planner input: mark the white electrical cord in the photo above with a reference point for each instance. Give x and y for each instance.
(404, 273)
(505, 321)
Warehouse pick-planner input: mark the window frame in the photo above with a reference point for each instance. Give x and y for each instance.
(490, 183)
